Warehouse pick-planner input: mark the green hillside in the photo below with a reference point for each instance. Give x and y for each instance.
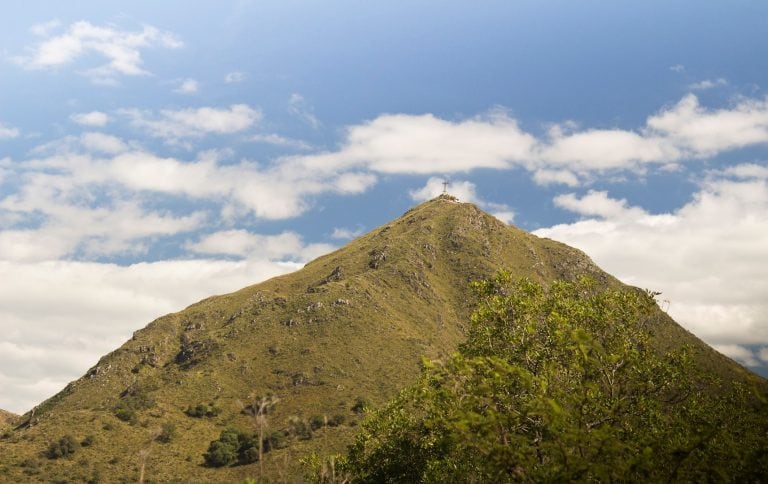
(347, 330)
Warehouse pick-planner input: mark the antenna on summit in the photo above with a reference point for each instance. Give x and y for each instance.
(445, 186)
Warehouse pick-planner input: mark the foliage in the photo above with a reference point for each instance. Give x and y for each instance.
(202, 410)
(63, 447)
(133, 400)
(337, 420)
(316, 422)
(167, 433)
(238, 447)
(233, 447)
(560, 384)
(360, 405)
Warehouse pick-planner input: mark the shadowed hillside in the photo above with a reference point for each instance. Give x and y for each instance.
(346, 331)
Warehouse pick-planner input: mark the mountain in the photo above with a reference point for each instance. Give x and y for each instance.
(347, 330)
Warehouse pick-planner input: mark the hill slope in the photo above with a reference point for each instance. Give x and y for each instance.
(7, 419)
(350, 326)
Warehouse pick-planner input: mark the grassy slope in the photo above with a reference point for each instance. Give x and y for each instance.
(318, 339)
(7, 419)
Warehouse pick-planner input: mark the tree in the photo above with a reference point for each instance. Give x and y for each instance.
(559, 384)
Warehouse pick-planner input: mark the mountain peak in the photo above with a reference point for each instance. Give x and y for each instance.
(350, 327)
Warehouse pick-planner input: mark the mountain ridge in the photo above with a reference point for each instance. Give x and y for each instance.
(349, 328)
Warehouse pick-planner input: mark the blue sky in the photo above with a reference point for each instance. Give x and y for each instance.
(154, 153)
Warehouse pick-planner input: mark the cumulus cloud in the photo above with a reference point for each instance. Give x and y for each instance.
(699, 132)
(120, 48)
(53, 314)
(8, 132)
(343, 233)
(44, 29)
(187, 86)
(743, 355)
(426, 144)
(177, 125)
(704, 256)
(234, 77)
(277, 140)
(94, 118)
(708, 84)
(241, 243)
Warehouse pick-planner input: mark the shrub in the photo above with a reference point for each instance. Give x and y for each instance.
(316, 422)
(361, 404)
(275, 440)
(233, 447)
(87, 441)
(202, 410)
(167, 433)
(64, 447)
(336, 420)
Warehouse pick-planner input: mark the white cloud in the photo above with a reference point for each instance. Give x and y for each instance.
(53, 313)
(739, 353)
(425, 144)
(242, 243)
(552, 177)
(299, 107)
(706, 257)
(466, 192)
(93, 118)
(597, 203)
(104, 143)
(745, 170)
(187, 86)
(677, 68)
(174, 126)
(121, 49)
(708, 84)
(277, 140)
(234, 77)
(699, 132)
(343, 233)
(763, 354)
(44, 29)
(8, 132)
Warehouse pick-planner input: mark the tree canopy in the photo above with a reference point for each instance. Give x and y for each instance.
(562, 383)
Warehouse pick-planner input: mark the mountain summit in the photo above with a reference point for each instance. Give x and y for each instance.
(298, 357)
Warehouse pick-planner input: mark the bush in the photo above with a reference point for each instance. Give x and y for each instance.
(316, 422)
(167, 433)
(131, 401)
(275, 440)
(64, 447)
(87, 441)
(337, 420)
(361, 404)
(234, 447)
(202, 410)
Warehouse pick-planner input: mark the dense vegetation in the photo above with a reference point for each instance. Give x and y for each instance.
(561, 384)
